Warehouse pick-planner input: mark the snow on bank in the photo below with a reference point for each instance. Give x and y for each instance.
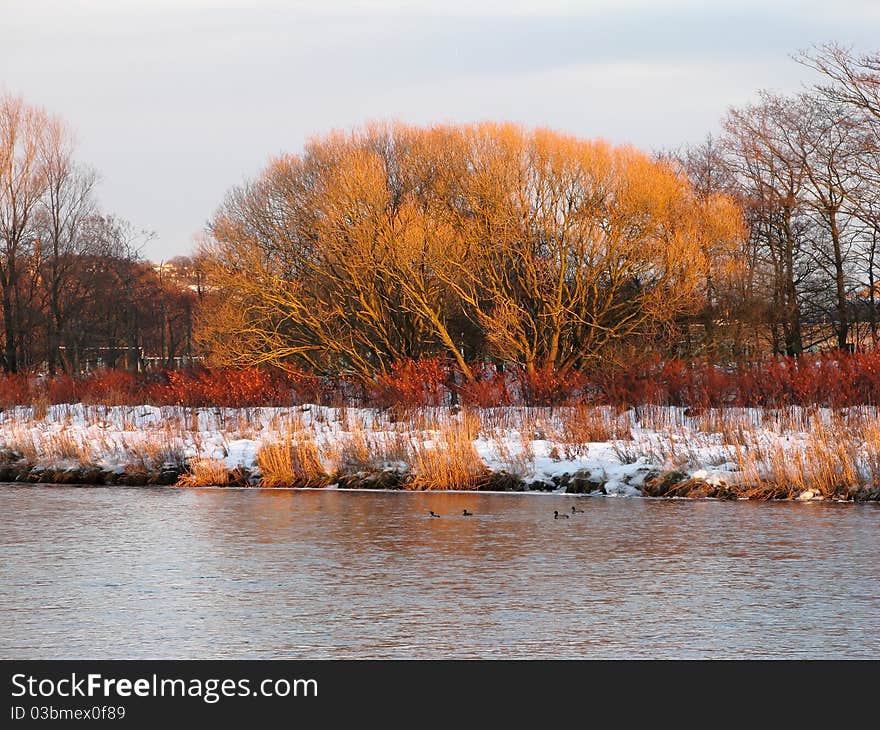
(537, 445)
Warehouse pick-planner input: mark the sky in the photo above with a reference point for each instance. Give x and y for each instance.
(176, 101)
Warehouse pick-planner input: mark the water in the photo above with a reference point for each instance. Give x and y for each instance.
(167, 573)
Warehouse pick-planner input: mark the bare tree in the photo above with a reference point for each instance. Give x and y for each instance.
(826, 141)
(852, 80)
(771, 181)
(852, 85)
(22, 184)
(729, 289)
(67, 206)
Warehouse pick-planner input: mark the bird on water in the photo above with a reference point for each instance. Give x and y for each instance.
(431, 512)
(557, 516)
(575, 509)
(465, 513)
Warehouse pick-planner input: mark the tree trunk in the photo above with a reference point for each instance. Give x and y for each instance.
(842, 327)
(10, 355)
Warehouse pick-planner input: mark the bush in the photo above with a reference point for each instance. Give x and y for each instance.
(15, 390)
(412, 383)
(828, 379)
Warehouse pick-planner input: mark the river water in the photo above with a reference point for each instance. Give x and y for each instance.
(113, 572)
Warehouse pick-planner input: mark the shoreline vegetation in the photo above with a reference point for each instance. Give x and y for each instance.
(792, 453)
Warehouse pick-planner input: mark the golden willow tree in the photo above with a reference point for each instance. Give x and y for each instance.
(476, 241)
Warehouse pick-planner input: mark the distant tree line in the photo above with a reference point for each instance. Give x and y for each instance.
(494, 243)
(74, 291)
(478, 244)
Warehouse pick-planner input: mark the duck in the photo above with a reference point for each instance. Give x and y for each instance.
(465, 513)
(557, 516)
(575, 509)
(431, 513)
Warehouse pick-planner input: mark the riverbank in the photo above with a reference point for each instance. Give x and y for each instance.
(806, 454)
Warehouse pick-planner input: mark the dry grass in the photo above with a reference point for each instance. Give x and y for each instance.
(154, 452)
(22, 442)
(792, 419)
(63, 446)
(358, 451)
(519, 460)
(40, 408)
(419, 418)
(342, 418)
(244, 425)
(661, 418)
(394, 448)
(776, 452)
(470, 423)
(292, 463)
(629, 452)
(583, 424)
(450, 461)
(204, 472)
(366, 450)
(833, 456)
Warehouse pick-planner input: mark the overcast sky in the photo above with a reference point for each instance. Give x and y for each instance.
(175, 101)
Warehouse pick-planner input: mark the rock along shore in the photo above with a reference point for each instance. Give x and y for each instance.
(668, 484)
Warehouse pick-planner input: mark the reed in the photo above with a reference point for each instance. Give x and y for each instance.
(836, 454)
(364, 450)
(40, 407)
(63, 446)
(584, 424)
(449, 461)
(292, 462)
(358, 451)
(21, 442)
(204, 472)
(153, 452)
(517, 460)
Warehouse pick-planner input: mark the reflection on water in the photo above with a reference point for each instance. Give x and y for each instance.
(165, 573)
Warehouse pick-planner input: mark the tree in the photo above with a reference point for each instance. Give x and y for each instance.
(329, 259)
(579, 247)
(852, 86)
(22, 184)
(730, 308)
(825, 143)
(66, 207)
(397, 242)
(770, 178)
(851, 80)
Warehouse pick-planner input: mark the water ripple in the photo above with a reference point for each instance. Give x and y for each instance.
(164, 573)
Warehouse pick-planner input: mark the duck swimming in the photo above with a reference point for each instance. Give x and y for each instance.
(557, 516)
(431, 513)
(465, 513)
(575, 509)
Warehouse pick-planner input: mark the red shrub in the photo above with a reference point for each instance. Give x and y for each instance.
(421, 382)
(491, 387)
(830, 379)
(548, 387)
(112, 388)
(638, 383)
(865, 381)
(304, 388)
(223, 387)
(63, 389)
(766, 383)
(15, 389)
